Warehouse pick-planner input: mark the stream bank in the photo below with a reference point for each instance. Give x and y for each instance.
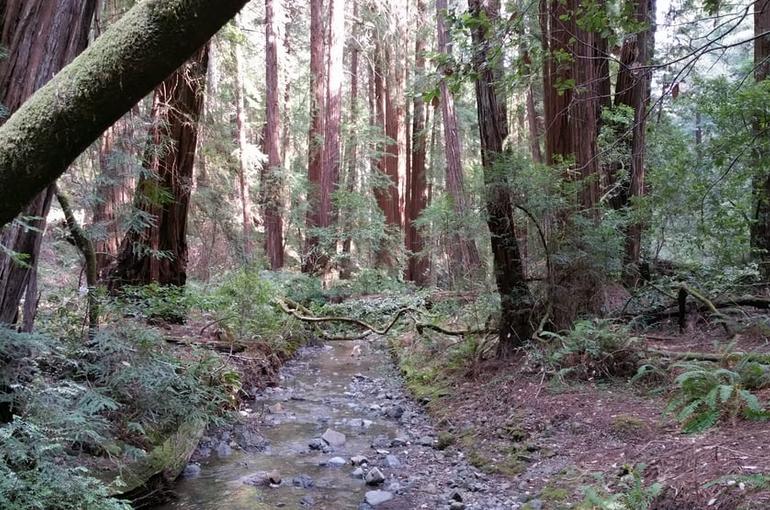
(337, 432)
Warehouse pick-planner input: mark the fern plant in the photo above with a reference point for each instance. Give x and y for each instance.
(705, 393)
(634, 493)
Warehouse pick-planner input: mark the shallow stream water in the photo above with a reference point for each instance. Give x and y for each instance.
(352, 389)
(315, 393)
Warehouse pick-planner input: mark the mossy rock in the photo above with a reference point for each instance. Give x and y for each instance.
(165, 461)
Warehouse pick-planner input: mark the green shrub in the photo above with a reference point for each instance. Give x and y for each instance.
(595, 349)
(705, 393)
(633, 493)
(34, 474)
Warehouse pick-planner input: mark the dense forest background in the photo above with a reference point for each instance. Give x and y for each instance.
(566, 191)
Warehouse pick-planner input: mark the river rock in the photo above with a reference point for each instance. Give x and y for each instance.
(224, 450)
(392, 461)
(317, 444)
(358, 460)
(303, 481)
(395, 412)
(374, 477)
(306, 501)
(335, 462)
(399, 441)
(274, 477)
(358, 473)
(258, 479)
(191, 471)
(375, 498)
(334, 438)
(276, 408)
(457, 505)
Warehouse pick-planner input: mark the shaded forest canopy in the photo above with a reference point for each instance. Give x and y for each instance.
(569, 195)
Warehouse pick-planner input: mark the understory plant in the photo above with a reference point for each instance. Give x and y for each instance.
(633, 493)
(594, 349)
(706, 393)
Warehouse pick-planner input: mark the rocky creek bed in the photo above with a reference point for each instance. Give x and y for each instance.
(338, 432)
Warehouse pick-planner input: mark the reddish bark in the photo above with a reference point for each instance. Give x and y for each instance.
(463, 252)
(271, 173)
(515, 297)
(330, 170)
(346, 269)
(158, 253)
(387, 195)
(634, 89)
(41, 37)
(418, 264)
(760, 229)
(243, 185)
(315, 136)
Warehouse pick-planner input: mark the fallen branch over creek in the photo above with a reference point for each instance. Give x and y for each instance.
(301, 313)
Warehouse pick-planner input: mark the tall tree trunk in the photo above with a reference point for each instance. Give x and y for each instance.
(41, 37)
(516, 299)
(555, 39)
(271, 176)
(114, 187)
(418, 264)
(385, 194)
(534, 131)
(760, 229)
(315, 137)
(64, 117)
(330, 170)
(240, 127)
(157, 253)
(352, 159)
(634, 90)
(463, 252)
(583, 113)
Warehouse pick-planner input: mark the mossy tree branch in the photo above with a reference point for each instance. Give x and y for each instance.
(64, 117)
(86, 247)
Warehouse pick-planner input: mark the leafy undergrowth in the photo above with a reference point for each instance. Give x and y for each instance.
(80, 419)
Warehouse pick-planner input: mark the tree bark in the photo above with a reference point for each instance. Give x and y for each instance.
(41, 37)
(760, 229)
(64, 117)
(418, 264)
(315, 137)
(157, 253)
(633, 89)
(515, 297)
(385, 194)
(86, 248)
(347, 263)
(240, 127)
(464, 256)
(330, 170)
(271, 175)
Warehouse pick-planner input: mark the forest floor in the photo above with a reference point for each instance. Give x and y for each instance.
(556, 439)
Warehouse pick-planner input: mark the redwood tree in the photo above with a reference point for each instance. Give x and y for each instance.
(315, 136)
(41, 37)
(464, 255)
(330, 169)
(158, 251)
(271, 172)
(54, 126)
(760, 229)
(633, 89)
(418, 264)
(516, 299)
